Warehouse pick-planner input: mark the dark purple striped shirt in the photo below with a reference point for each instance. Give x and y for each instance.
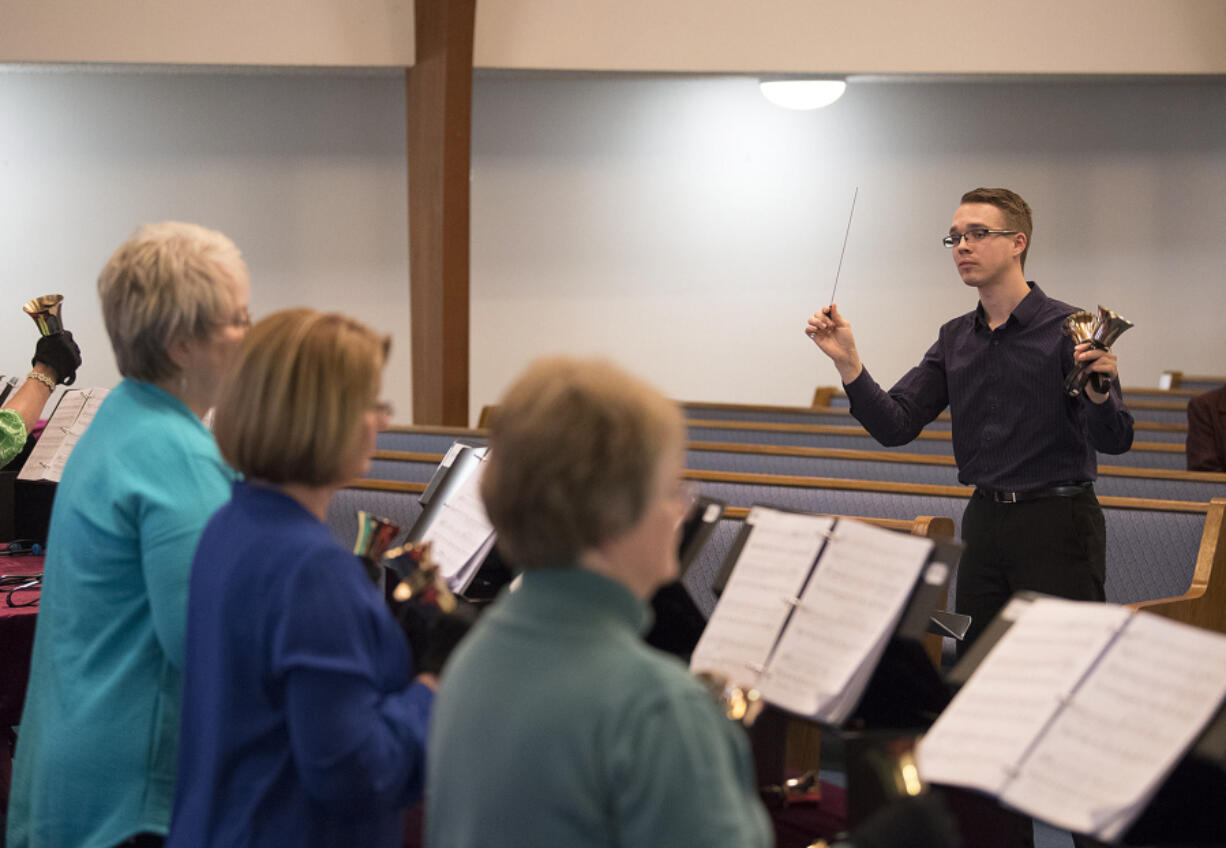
(1014, 428)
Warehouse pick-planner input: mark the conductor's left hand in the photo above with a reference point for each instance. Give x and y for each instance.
(1101, 362)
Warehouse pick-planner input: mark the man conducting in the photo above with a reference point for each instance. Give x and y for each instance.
(1027, 447)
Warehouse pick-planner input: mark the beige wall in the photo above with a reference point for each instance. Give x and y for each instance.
(222, 32)
(869, 36)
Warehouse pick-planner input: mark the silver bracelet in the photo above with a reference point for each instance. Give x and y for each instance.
(42, 378)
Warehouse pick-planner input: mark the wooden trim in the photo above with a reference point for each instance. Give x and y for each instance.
(933, 490)
(387, 486)
(1180, 378)
(408, 456)
(816, 429)
(932, 527)
(928, 526)
(845, 412)
(845, 453)
(1158, 405)
(1173, 394)
(439, 430)
(1160, 426)
(823, 394)
(1158, 447)
(1204, 604)
(940, 459)
(840, 430)
(439, 112)
(825, 453)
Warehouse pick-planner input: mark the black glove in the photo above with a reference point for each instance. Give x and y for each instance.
(59, 353)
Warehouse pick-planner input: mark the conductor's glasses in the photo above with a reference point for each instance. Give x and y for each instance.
(974, 236)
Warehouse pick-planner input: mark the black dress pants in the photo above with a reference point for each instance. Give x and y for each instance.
(1056, 546)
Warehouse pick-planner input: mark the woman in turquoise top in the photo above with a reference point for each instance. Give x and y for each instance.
(98, 740)
(555, 724)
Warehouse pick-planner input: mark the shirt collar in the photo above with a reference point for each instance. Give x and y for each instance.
(1023, 313)
(579, 594)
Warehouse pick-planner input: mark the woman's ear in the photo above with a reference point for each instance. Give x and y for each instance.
(179, 351)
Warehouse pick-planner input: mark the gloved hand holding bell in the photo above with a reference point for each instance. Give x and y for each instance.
(56, 349)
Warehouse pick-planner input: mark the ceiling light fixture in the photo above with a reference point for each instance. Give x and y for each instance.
(803, 93)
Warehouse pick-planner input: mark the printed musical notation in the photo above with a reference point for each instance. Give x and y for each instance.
(809, 608)
(1079, 712)
(64, 428)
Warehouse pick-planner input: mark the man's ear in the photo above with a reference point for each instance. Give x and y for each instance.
(1019, 243)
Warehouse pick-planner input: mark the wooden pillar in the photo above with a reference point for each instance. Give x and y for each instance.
(439, 90)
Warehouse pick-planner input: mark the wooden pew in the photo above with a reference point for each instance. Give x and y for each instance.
(1143, 454)
(1187, 382)
(1166, 408)
(880, 465)
(1158, 431)
(1151, 543)
(1125, 481)
(1204, 603)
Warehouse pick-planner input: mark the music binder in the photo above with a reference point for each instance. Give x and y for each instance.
(453, 517)
(1093, 717)
(72, 414)
(941, 622)
(825, 618)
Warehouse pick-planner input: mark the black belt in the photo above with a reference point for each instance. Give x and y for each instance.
(1064, 490)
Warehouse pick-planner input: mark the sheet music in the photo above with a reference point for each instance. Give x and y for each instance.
(1125, 728)
(845, 617)
(68, 422)
(771, 568)
(461, 531)
(983, 735)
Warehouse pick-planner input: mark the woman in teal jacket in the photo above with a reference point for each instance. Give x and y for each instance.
(98, 740)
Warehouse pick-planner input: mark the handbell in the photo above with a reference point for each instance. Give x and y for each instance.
(421, 579)
(739, 703)
(375, 534)
(1101, 333)
(45, 311)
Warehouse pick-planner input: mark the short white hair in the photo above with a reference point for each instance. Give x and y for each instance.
(168, 281)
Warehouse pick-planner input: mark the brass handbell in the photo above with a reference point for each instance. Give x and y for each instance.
(375, 534)
(45, 311)
(738, 703)
(422, 579)
(1100, 331)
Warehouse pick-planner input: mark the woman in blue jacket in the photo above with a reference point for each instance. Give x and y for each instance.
(301, 722)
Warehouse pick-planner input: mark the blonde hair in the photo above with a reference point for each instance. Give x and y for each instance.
(574, 448)
(168, 281)
(292, 409)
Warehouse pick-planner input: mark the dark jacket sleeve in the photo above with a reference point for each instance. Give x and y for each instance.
(897, 417)
(1109, 423)
(1204, 422)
